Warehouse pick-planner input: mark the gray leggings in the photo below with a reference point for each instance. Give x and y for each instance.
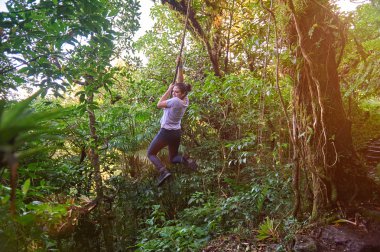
(165, 138)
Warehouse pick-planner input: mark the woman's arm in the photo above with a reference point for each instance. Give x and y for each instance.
(162, 102)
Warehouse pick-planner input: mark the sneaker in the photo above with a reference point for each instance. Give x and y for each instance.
(190, 163)
(164, 174)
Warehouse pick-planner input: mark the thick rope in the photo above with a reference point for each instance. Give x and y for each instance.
(183, 39)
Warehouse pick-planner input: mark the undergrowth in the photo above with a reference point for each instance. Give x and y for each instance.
(208, 215)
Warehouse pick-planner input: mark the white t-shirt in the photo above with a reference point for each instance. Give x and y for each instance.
(173, 113)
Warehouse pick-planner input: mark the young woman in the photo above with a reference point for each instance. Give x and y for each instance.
(170, 132)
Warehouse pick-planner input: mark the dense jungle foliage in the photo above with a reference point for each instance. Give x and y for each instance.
(279, 90)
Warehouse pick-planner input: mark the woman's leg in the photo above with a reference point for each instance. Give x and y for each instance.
(158, 143)
(174, 142)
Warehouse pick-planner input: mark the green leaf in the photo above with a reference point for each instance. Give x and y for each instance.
(4, 200)
(23, 70)
(11, 115)
(25, 187)
(82, 98)
(18, 79)
(26, 219)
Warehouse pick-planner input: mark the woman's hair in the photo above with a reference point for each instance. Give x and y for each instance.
(185, 88)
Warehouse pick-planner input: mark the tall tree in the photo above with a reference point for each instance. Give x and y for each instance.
(56, 44)
(210, 35)
(93, 71)
(229, 30)
(321, 130)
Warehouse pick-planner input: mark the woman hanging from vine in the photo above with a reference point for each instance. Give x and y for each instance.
(170, 132)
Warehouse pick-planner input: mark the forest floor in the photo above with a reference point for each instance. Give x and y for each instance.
(359, 234)
(364, 237)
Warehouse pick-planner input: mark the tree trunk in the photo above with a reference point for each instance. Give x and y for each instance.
(13, 166)
(321, 125)
(94, 157)
(210, 39)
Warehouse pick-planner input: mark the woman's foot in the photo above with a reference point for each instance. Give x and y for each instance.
(164, 174)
